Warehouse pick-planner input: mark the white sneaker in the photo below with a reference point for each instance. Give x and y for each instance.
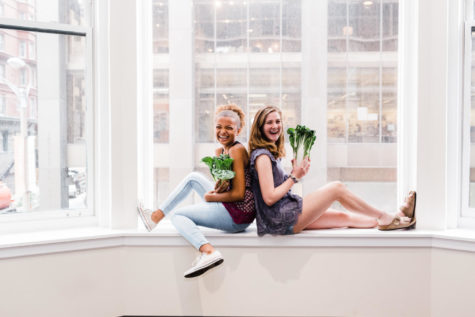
(203, 263)
(146, 216)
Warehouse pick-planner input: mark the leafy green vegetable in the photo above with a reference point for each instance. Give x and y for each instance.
(220, 167)
(301, 140)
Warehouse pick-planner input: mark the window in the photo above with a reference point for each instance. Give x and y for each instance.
(468, 185)
(161, 111)
(22, 48)
(362, 98)
(255, 53)
(47, 127)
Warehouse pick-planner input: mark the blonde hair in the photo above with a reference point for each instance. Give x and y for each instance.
(258, 140)
(232, 111)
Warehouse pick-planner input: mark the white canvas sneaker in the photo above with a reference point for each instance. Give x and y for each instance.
(146, 216)
(203, 263)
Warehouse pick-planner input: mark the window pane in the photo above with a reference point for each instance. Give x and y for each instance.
(362, 98)
(364, 25)
(160, 26)
(204, 26)
(291, 26)
(44, 129)
(472, 129)
(161, 104)
(63, 11)
(231, 26)
(264, 26)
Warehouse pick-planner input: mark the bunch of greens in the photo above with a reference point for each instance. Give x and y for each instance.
(301, 140)
(220, 167)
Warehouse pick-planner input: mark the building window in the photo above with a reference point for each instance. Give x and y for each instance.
(22, 48)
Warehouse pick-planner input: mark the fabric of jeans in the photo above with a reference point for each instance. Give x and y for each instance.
(186, 219)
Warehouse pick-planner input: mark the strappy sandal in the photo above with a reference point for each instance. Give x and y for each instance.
(395, 224)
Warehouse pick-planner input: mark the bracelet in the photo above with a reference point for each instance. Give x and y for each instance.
(295, 179)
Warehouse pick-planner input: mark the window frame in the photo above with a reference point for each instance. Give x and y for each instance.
(61, 218)
(467, 213)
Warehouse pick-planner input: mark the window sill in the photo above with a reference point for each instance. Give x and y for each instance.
(16, 245)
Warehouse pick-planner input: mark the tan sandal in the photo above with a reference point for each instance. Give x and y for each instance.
(409, 209)
(397, 223)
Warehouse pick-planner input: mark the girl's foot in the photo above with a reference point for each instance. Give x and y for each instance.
(392, 222)
(146, 216)
(203, 263)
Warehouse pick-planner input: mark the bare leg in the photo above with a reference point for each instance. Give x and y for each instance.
(316, 203)
(338, 219)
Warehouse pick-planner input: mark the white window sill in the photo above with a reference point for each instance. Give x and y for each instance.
(16, 245)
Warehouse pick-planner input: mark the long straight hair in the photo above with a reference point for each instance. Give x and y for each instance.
(258, 140)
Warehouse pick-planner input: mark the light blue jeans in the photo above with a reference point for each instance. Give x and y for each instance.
(186, 219)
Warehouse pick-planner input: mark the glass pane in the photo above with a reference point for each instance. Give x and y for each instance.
(204, 26)
(362, 98)
(231, 26)
(291, 26)
(63, 11)
(472, 129)
(160, 26)
(43, 162)
(338, 26)
(264, 26)
(390, 26)
(161, 103)
(161, 112)
(364, 26)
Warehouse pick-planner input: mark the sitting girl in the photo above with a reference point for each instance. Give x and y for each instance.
(228, 207)
(281, 212)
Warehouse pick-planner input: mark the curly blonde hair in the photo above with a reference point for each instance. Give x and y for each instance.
(232, 111)
(257, 138)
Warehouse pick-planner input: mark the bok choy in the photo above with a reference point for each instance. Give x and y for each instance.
(301, 140)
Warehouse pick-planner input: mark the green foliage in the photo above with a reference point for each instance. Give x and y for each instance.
(220, 167)
(299, 137)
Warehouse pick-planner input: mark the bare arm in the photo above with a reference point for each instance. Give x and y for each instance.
(271, 194)
(240, 156)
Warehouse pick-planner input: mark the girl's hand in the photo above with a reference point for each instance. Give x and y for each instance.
(300, 170)
(221, 186)
(210, 196)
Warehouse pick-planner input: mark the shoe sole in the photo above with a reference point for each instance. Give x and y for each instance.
(143, 220)
(204, 269)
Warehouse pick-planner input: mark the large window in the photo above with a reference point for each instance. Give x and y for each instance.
(46, 119)
(255, 52)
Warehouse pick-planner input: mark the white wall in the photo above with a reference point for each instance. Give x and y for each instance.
(252, 281)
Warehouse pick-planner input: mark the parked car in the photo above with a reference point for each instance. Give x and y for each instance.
(5, 195)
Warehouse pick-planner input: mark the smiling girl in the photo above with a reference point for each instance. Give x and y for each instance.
(281, 212)
(227, 206)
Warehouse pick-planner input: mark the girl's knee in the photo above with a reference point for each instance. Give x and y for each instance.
(194, 176)
(337, 188)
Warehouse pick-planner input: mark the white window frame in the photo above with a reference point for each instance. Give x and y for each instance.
(54, 219)
(467, 215)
